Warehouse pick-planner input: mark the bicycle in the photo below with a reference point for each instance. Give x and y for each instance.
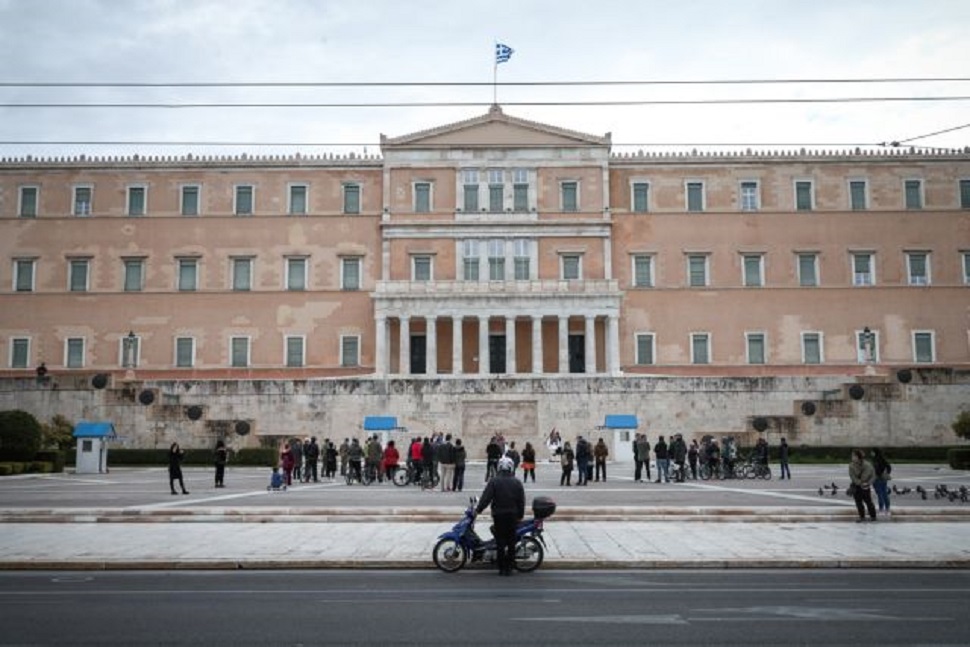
(409, 475)
(364, 476)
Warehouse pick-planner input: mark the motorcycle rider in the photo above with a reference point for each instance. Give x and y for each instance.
(506, 496)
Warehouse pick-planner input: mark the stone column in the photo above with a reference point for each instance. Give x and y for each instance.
(380, 346)
(431, 345)
(483, 346)
(563, 344)
(613, 345)
(510, 367)
(590, 339)
(404, 367)
(456, 345)
(537, 345)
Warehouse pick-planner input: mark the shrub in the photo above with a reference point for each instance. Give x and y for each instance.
(5, 469)
(54, 457)
(961, 426)
(20, 435)
(42, 467)
(57, 434)
(254, 457)
(959, 458)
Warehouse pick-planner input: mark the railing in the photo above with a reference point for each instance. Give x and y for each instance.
(544, 286)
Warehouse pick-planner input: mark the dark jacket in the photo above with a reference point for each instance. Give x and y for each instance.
(506, 496)
(660, 450)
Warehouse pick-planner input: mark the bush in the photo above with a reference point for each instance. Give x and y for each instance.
(959, 458)
(43, 467)
(255, 457)
(5, 469)
(54, 457)
(20, 435)
(961, 426)
(57, 434)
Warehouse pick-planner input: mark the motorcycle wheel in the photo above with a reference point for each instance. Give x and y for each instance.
(449, 555)
(528, 554)
(401, 477)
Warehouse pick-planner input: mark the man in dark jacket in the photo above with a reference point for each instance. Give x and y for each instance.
(493, 452)
(506, 496)
(311, 453)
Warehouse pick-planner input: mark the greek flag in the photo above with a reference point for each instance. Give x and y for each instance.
(502, 53)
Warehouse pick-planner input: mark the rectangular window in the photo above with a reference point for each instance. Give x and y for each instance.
(78, 279)
(700, 351)
(914, 194)
(190, 200)
(643, 271)
(298, 200)
(82, 200)
(19, 352)
(570, 196)
(804, 196)
(753, 270)
(350, 273)
(244, 200)
(420, 268)
(349, 350)
(641, 195)
(966, 268)
(572, 267)
(136, 201)
(184, 352)
(755, 347)
(28, 202)
(188, 274)
(520, 192)
(645, 349)
(422, 197)
(923, 347)
(352, 199)
(75, 353)
(469, 260)
(697, 270)
(858, 200)
(496, 260)
(862, 269)
(523, 259)
(129, 351)
(965, 194)
(811, 348)
(242, 274)
(470, 190)
(808, 270)
(134, 274)
(296, 274)
(867, 345)
(749, 196)
(918, 268)
(294, 352)
(240, 351)
(23, 275)
(695, 196)
(496, 190)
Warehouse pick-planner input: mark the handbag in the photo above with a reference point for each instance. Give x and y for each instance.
(851, 490)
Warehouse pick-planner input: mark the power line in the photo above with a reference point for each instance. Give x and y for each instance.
(377, 144)
(938, 132)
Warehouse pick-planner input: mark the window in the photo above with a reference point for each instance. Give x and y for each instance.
(136, 201)
(966, 268)
(352, 199)
(27, 206)
(749, 196)
(697, 270)
(496, 260)
(294, 352)
(808, 269)
(190, 200)
(523, 259)
(645, 349)
(298, 200)
(470, 190)
(520, 190)
(422, 197)
(349, 350)
(695, 196)
(862, 269)
(132, 360)
(918, 268)
(244, 200)
(804, 195)
(184, 352)
(296, 273)
(421, 268)
(134, 274)
(82, 200)
(78, 275)
(811, 348)
(755, 342)
(867, 351)
(469, 260)
(965, 194)
(700, 351)
(923, 347)
(350, 273)
(242, 274)
(858, 195)
(239, 349)
(572, 267)
(914, 194)
(19, 352)
(569, 195)
(640, 194)
(496, 190)
(23, 275)
(753, 270)
(642, 271)
(188, 280)
(74, 352)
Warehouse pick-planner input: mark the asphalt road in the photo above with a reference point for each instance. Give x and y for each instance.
(480, 608)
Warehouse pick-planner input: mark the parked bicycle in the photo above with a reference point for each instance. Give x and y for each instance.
(426, 478)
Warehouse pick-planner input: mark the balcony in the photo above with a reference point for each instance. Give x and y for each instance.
(592, 287)
(496, 216)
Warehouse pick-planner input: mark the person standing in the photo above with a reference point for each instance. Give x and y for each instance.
(678, 453)
(583, 456)
(332, 455)
(175, 456)
(296, 448)
(600, 453)
(286, 462)
(783, 460)
(566, 457)
(506, 497)
(693, 453)
(446, 463)
(528, 462)
(221, 458)
(862, 474)
(663, 460)
(493, 452)
(881, 484)
(311, 454)
(642, 454)
(344, 453)
(458, 484)
(355, 456)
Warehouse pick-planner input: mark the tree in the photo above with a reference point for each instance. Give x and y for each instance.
(57, 434)
(961, 426)
(20, 435)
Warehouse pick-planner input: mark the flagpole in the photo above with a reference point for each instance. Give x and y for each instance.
(495, 75)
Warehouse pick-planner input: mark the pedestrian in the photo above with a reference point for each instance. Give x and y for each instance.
(175, 456)
(390, 461)
(678, 454)
(663, 460)
(458, 484)
(42, 373)
(296, 448)
(641, 448)
(493, 452)
(344, 453)
(414, 458)
(221, 458)
(881, 484)
(355, 456)
(566, 460)
(332, 456)
(528, 462)
(373, 454)
(783, 459)
(286, 463)
(862, 474)
(600, 453)
(583, 456)
(513, 453)
(693, 453)
(311, 454)
(427, 464)
(506, 497)
(446, 463)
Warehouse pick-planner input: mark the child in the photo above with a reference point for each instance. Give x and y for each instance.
(276, 481)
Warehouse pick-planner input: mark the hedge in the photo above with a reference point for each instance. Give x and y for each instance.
(10, 468)
(255, 457)
(829, 454)
(959, 458)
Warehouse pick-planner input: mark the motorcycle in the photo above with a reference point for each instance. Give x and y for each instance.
(461, 545)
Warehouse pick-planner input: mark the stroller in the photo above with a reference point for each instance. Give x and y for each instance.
(276, 482)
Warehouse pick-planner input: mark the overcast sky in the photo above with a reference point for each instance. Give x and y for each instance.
(162, 41)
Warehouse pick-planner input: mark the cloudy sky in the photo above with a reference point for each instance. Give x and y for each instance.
(437, 41)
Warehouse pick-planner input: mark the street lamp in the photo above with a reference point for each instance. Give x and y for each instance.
(129, 350)
(868, 339)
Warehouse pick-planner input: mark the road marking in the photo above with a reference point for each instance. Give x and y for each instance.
(671, 619)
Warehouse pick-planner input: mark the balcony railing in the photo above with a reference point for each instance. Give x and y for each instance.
(463, 288)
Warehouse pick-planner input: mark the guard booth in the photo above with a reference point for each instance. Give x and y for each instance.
(92, 446)
(384, 425)
(624, 428)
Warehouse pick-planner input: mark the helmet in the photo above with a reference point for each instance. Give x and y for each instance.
(506, 465)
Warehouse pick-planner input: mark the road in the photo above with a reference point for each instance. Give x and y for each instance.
(559, 608)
